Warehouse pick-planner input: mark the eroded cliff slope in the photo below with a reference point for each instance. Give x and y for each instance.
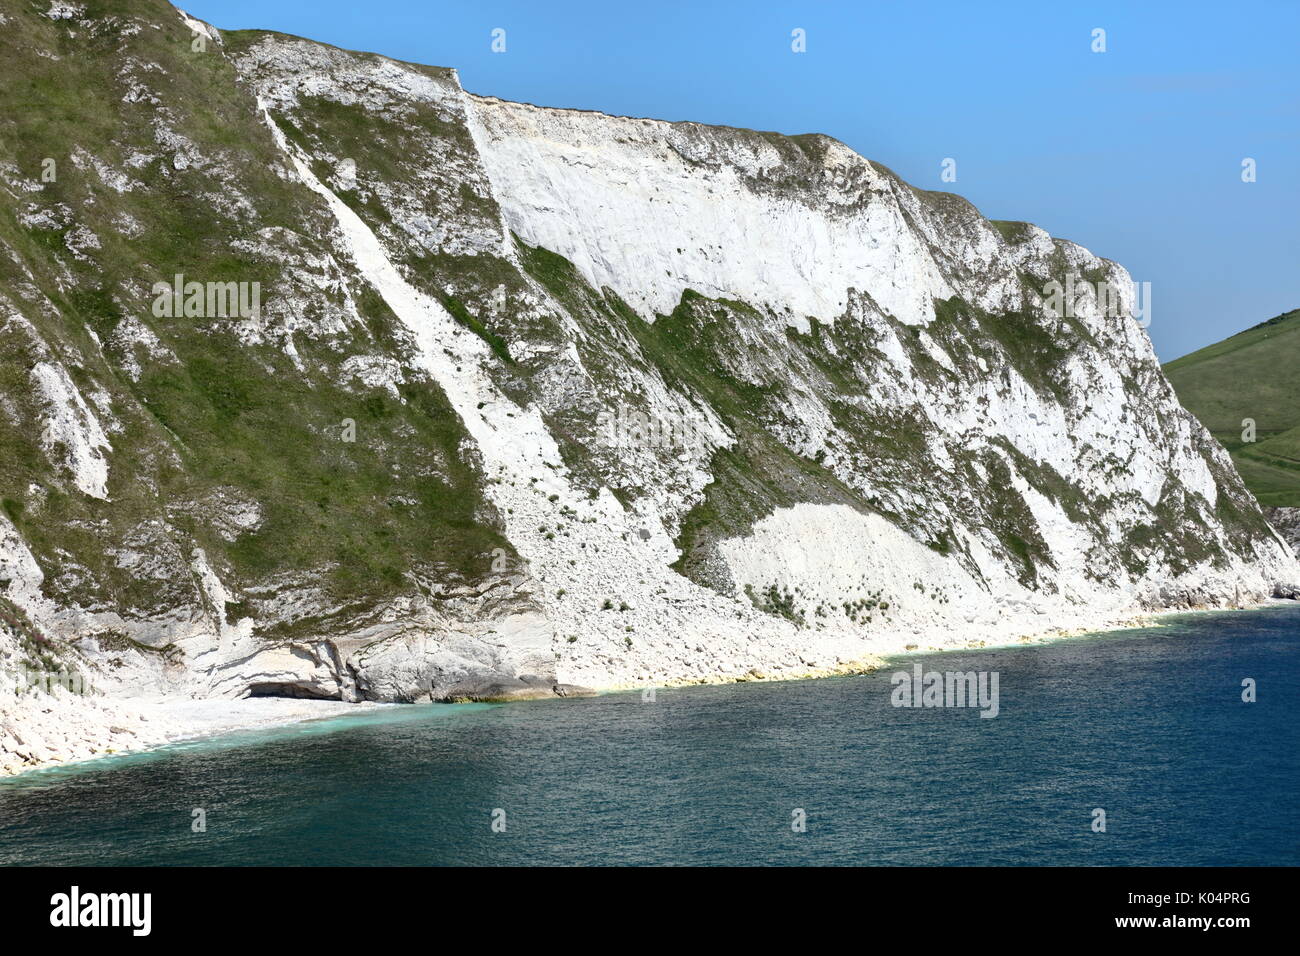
(534, 397)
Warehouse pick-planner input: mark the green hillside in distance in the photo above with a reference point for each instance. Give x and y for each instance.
(1253, 374)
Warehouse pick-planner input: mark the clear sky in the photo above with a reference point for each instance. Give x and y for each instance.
(1135, 152)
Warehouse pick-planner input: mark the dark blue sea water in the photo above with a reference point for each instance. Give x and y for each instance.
(1148, 725)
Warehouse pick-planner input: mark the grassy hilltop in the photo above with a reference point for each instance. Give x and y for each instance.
(1252, 374)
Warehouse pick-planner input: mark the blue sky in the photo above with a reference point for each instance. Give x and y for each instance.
(1135, 152)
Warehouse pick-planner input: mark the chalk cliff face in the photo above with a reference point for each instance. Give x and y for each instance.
(1287, 523)
(535, 397)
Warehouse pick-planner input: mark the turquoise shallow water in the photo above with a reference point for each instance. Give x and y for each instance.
(1148, 725)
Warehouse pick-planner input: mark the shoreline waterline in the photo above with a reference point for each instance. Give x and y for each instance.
(230, 728)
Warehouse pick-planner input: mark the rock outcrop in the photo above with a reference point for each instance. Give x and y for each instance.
(1287, 523)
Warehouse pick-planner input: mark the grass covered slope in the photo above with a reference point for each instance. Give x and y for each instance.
(1251, 375)
(129, 154)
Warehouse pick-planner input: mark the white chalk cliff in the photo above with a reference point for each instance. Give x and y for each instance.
(631, 402)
